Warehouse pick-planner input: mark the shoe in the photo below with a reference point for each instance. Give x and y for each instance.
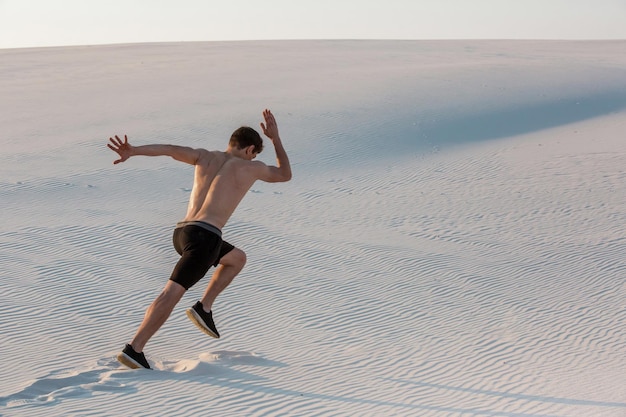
(203, 320)
(132, 359)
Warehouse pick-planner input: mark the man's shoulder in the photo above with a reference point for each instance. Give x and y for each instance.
(207, 156)
(256, 165)
(244, 163)
(252, 169)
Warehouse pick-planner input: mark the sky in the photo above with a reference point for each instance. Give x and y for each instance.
(35, 23)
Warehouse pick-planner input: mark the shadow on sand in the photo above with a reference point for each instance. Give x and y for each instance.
(216, 368)
(410, 131)
(109, 376)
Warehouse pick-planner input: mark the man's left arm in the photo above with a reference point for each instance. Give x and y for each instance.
(181, 153)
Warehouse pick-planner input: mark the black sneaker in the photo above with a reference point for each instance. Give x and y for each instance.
(132, 359)
(203, 320)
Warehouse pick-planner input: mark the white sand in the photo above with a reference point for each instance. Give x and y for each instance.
(452, 242)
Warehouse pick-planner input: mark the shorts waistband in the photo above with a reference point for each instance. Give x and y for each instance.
(204, 225)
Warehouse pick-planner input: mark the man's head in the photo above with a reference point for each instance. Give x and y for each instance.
(248, 140)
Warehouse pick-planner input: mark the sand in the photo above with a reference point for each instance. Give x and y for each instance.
(451, 244)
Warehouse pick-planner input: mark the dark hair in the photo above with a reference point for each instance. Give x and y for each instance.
(246, 136)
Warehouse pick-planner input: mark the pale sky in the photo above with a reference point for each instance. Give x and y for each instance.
(28, 23)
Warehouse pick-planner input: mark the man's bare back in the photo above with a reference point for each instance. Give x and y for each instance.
(220, 183)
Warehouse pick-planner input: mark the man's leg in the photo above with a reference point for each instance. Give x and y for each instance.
(200, 314)
(157, 314)
(230, 265)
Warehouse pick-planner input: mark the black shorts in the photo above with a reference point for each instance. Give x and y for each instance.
(200, 246)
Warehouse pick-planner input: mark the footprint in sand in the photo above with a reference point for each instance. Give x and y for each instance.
(66, 384)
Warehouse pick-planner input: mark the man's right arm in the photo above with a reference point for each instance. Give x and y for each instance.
(180, 153)
(282, 171)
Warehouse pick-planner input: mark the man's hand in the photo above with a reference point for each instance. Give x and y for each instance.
(123, 149)
(270, 129)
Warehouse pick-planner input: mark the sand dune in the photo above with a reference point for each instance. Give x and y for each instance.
(452, 242)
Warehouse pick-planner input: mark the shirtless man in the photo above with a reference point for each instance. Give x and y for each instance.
(221, 180)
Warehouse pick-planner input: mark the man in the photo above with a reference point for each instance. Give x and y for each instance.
(221, 180)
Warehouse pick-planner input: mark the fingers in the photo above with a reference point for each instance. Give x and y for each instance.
(117, 142)
(267, 114)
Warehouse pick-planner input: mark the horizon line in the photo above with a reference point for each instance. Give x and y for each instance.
(97, 44)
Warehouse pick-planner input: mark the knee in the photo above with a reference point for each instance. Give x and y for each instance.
(236, 258)
(239, 258)
(172, 293)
